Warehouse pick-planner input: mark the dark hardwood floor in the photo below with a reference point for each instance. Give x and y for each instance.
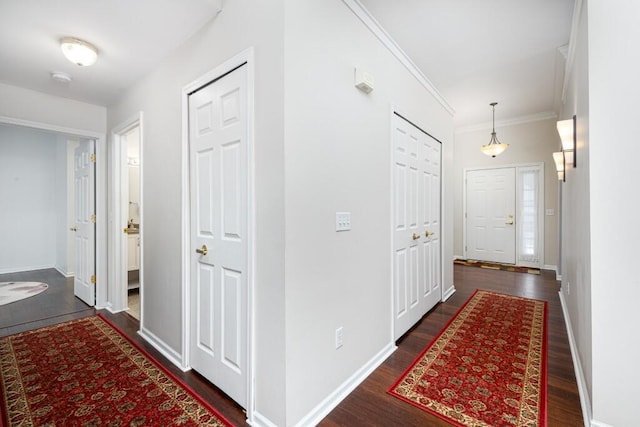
(369, 404)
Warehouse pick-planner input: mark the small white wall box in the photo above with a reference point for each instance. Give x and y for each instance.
(364, 81)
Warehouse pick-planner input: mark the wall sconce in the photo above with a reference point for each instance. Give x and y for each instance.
(558, 158)
(567, 131)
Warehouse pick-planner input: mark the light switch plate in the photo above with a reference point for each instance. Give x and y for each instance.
(343, 221)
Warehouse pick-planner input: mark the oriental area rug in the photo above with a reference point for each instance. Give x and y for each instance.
(487, 367)
(85, 372)
(496, 266)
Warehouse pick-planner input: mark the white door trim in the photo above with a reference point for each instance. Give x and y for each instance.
(101, 195)
(246, 56)
(541, 216)
(117, 239)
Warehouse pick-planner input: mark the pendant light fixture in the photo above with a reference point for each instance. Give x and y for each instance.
(494, 147)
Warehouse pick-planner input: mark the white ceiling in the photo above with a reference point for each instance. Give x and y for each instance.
(479, 51)
(474, 52)
(131, 36)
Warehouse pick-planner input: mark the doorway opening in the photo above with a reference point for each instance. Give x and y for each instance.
(127, 234)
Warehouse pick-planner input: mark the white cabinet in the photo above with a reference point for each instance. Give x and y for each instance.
(133, 252)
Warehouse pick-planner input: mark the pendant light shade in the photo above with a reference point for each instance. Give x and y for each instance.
(79, 51)
(494, 147)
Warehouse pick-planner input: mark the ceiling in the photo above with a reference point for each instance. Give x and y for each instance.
(474, 52)
(132, 36)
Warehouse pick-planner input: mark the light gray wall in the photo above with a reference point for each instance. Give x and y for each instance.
(528, 142)
(613, 126)
(61, 229)
(27, 199)
(576, 228)
(241, 24)
(338, 158)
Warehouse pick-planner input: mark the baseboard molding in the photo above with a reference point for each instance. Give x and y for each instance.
(577, 366)
(448, 293)
(26, 268)
(550, 267)
(260, 420)
(455, 257)
(173, 356)
(65, 274)
(595, 423)
(331, 401)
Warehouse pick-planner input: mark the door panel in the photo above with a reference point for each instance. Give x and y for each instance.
(416, 224)
(219, 204)
(84, 216)
(490, 215)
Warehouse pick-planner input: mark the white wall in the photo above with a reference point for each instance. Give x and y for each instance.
(25, 104)
(241, 24)
(528, 142)
(576, 233)
(337, 154)
(27, 199)
(614, 90)
(61, 228)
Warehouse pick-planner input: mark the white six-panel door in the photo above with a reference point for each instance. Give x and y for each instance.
(219, 224)
(491, 204)
(416, 224)
(84, 217)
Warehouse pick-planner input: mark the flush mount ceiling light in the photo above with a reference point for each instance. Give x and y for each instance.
(494, 147)
(79, 51)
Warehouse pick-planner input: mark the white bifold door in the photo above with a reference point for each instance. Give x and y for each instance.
(218, 132)
(491, 214)
(84, 216)
(416, 223)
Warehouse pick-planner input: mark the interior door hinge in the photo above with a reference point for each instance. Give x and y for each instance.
(93, 278)
(93, 218)
(93, 158)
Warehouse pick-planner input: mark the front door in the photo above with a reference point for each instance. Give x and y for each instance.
(84, 216)
(491, 209)
(416, 224)
(218, 138)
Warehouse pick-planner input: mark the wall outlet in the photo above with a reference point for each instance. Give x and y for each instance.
(343, 221)
(339, 337)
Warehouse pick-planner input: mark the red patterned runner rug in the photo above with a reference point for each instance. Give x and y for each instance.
(85, 372)
(487, 367)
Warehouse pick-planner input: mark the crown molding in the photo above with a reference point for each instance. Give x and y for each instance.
(374, 26)
(571, 51)
(545, 115)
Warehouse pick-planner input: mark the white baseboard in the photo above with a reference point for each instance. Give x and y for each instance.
(260, 420)
(173, 356)
(64, 273)
(595, 423)
(25, 268)
(331, 401)
(550, 267)
(455, 257)
(448, 293)
(577, 366)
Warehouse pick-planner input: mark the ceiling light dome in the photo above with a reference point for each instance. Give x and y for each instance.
(79, 51)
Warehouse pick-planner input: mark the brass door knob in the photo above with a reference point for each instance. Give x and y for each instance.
(416, 236)
(73, 228)
(428, 233)
(203, 250)
(126, 230)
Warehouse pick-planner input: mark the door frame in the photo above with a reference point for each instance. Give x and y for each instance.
(541, 216)
(117, 239)
(394, 110)
(242, 58)
(100, 194)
